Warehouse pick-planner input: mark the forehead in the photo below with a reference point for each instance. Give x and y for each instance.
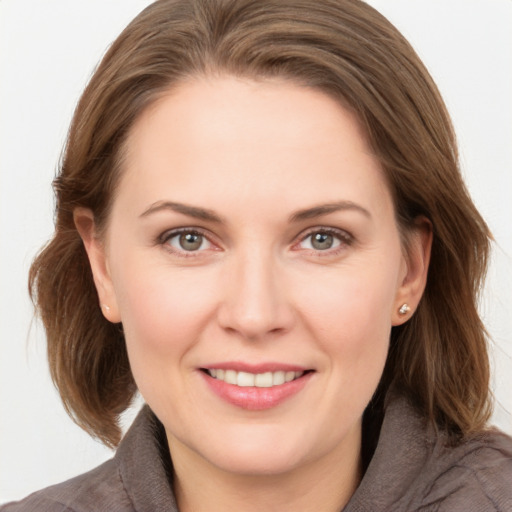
(256, 139)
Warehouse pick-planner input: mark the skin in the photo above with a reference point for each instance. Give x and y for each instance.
(256, 290)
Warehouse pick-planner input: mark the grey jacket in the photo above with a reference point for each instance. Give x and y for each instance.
(412, 469)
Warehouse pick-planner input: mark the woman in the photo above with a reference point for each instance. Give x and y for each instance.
(261, 226)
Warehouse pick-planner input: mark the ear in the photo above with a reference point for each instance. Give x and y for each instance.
(95, 248)
(414, 276)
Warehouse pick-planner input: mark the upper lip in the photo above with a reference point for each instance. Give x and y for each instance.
(241, 366)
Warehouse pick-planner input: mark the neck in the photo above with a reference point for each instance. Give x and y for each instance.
(323, 485)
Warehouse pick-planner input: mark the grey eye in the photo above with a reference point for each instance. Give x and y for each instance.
(322, 241)
(189, 241)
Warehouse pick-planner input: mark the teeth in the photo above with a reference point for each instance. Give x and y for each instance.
(278, 378)
(230, 376)
(259, 380)
(263, 380)
(244, 379)
(289, 376)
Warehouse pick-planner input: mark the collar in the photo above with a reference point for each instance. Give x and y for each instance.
(403, 449)
(141, 465)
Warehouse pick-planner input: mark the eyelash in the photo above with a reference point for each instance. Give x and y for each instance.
(345, 239)
(164, 239)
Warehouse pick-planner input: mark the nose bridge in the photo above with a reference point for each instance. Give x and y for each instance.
(255, 302)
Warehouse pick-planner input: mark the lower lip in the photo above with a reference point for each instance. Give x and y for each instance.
(253, 398)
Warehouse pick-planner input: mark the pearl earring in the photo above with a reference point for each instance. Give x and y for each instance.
(404, 309)
(105, 307)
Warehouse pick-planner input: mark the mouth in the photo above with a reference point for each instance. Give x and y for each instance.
(258, 380)
(258, 389)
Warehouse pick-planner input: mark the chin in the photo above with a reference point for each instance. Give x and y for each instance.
(260, 451)
(257, 462)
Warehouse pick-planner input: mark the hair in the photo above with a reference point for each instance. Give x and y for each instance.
(438, 359)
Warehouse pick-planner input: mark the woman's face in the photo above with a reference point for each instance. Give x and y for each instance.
(253, 258)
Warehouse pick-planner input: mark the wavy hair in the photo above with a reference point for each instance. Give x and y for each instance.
(438, 359)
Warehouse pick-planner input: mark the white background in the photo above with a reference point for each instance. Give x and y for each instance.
(49, 49)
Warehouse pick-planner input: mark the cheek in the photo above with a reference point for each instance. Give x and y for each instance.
(163, 315)
(351, 301)
(161, 310)
(350, 313)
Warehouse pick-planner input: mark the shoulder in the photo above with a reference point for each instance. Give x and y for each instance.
(474, 475)
(100, 489)
(415, 468)
(137, 478)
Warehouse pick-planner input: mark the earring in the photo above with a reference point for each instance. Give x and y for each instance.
(105, 307)
(404, 309)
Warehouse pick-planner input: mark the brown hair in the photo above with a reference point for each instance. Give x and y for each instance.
(344, 47)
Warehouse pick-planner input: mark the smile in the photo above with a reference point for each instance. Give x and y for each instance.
(258, 380)
(256, 388)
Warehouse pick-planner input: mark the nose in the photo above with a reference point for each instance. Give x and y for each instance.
(254, 299)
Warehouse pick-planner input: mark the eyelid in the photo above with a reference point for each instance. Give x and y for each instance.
(344, 236)
(163, 238)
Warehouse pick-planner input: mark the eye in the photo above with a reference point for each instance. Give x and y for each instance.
(188, 241)
(321, 241)
(324, 240)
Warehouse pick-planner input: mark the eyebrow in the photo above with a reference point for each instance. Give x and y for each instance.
(211, 216)
(325, 209)
(185, 209)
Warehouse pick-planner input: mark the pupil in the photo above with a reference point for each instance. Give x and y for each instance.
(190, 241)
(322, 241)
